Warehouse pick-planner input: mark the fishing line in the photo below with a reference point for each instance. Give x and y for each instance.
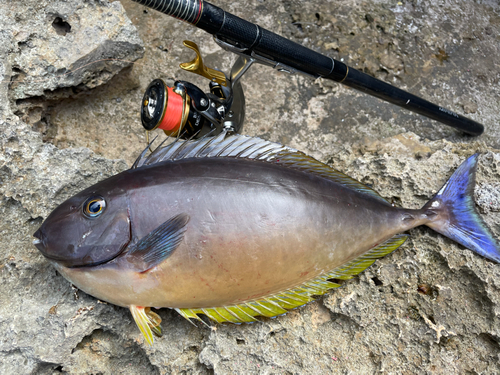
(173, 113)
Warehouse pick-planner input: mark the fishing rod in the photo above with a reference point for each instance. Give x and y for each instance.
(186, 107)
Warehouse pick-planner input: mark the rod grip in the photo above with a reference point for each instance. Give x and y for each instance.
(185, 10)
(273, 46)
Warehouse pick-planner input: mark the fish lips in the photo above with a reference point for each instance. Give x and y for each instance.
(39, 241)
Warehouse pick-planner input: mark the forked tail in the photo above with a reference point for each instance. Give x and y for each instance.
(452, 212)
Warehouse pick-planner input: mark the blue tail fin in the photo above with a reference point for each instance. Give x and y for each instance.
(452, 213)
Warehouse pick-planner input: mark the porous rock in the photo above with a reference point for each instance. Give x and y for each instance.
(430, 307)
(60, 44)
(61, 48)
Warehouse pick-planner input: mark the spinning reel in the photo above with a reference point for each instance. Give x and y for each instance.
(185, 111)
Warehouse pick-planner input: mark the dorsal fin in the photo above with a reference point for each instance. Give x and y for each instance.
(241, 146)
(222, 145)
(280, 303)
(299, 160)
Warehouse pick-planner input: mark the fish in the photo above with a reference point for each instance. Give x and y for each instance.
(236, 228)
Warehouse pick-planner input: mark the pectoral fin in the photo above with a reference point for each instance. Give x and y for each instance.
(158, 245)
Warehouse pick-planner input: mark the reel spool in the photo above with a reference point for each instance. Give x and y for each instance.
(171, 110)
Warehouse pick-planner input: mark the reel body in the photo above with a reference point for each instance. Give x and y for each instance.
(185, 111)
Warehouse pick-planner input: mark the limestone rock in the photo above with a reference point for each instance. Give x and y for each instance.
(430, 307)
(62, 44)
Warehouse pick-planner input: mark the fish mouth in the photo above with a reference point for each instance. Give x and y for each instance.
(41, 245)
(39, 241)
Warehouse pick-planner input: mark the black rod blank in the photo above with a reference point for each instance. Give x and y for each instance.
(363, 82)
(251, 39)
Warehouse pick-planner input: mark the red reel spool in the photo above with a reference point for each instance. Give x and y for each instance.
(164, 109)
(172, 117)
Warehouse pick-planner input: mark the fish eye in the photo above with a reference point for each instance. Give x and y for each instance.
(94, 207)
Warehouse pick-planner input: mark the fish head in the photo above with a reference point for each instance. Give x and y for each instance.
(89, 229)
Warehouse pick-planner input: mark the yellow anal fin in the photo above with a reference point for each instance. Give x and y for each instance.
(280, 303)
(147, 321)
(359, 264)
(188, 313)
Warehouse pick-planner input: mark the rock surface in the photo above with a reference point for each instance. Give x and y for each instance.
(430, 307)
(60, 48)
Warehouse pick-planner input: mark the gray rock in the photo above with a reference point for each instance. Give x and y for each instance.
(430, 307)
(59, 49)
(60, 44)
